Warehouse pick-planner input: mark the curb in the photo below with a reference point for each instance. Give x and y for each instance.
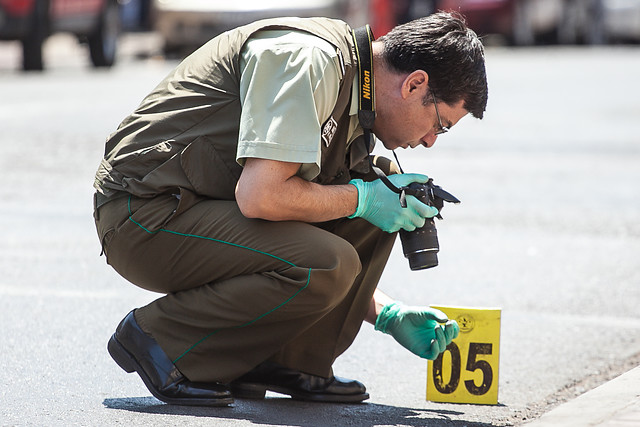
(615, 403)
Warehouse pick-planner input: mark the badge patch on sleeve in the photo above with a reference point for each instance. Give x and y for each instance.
(329, 130)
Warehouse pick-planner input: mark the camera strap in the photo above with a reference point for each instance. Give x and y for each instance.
(363, 37)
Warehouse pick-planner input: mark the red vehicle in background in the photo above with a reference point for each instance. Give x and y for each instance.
(96, 22)
(521, 22)
(526, 22)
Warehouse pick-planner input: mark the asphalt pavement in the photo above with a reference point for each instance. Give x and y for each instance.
(548, 230)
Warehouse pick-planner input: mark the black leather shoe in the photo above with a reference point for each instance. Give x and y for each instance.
(273, 377)
(134, 350)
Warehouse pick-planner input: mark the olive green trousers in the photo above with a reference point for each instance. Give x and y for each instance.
(241, 291)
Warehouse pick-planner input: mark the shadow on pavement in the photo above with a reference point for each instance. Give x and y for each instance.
(288, 412)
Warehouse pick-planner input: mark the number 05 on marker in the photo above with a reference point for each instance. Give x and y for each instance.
(467, 372)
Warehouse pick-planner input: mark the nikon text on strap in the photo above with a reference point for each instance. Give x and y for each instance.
(363, 37)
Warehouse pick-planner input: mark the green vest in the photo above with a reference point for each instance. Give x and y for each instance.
(184, 134)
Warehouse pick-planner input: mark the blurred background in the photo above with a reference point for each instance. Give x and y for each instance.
(179, 26)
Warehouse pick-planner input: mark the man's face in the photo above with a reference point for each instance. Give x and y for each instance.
(403, 119)
(415, 124)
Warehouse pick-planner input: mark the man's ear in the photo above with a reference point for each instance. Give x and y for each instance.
(416, 82)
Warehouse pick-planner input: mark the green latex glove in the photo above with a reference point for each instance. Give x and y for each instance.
(418, 329)
(381, 206)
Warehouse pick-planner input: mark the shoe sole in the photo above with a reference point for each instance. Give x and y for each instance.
(258, 391)
(129, 364)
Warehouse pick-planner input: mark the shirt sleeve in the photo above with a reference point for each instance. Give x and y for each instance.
(288, 88)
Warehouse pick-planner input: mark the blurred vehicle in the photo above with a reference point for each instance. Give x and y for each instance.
(96, 22)
(622, 20)
(135, 15)
(386, 14)
(525, 22)
(186, 24)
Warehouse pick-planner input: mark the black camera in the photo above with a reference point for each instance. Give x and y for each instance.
(420, 246)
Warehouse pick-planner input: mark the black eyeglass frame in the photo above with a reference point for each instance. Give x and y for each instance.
(443, 129)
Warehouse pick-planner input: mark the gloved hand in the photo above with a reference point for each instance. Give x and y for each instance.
(381, 206)
(418, 328)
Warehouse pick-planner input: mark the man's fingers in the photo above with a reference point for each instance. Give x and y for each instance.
(456, 328)
(442, 340)
(433, 314)
(451, 331)
(434, 350)
(422, 210)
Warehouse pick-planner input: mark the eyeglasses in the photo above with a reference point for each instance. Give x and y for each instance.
(443, 129)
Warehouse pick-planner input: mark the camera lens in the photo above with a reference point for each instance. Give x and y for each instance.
(422, 260)
(420, 246)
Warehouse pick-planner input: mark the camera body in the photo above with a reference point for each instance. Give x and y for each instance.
(420, 246)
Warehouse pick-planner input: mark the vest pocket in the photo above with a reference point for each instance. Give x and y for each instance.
(212, 173)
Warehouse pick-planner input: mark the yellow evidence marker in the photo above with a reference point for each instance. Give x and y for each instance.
(467, 371)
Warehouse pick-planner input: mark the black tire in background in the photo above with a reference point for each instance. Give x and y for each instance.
(103, 43)
(38, 32)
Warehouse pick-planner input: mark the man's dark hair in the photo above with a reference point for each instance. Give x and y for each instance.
(450, 52)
